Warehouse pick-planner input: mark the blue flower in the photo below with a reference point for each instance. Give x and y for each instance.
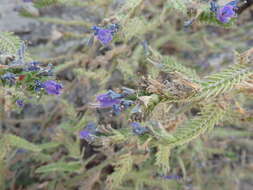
(117, 109)
(33, 66)
(127, 91)
(214, 6)
(138, 129)
(20, 103)
(105, 35)
(226, 12)
(52, 87)
(114, 28)
(9, 78)
(126, 103)
(234, 3)
(171, 177)
(89, 132)
(109, 99)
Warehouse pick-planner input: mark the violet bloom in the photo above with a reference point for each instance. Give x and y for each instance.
(224, 14)
(171, 177)
(20, 103)
(89, 132)
(52, 87)
(104, 35)
(109, 99)
(138, 129)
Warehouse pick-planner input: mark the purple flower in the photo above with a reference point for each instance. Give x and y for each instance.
(138, 129)
(85, 134)
(225, 13)
(20, 103)
(52, 87)
(89, 132)
(104, 35)
(171, 177)
(109, 99)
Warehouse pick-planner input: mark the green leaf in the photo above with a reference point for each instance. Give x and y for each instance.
(49, 145)
(9, 43)
(122, 167)
(210, 115)
(223, 81)
(60, 167)
(19, 142)
(134, 27)
(44, 3)
(170, 64)
(179, 5)
(162, 158)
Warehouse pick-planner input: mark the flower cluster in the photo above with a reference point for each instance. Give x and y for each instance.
(28, 76)
(116, 101)
(105, 35)
(226, 12)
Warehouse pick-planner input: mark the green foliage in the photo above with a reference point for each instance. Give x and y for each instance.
(210, 115)
(134, 27)
(60, 167)
(44, 3)
(170, 64)
(179, 5)
(162, 158)
(209, 18)
(9, 43)
(224, 81)
(18, 142)
(122, 167)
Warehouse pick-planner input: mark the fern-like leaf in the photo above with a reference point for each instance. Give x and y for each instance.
(44, 3)
(60, 167)
(162, 158)
(179, 5)
(170, 64)
(18, 142)
(224, 81)
(210, 115)
(9, 43)
(123, 166)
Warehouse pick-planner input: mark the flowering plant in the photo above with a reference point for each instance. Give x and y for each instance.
(136, 105)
